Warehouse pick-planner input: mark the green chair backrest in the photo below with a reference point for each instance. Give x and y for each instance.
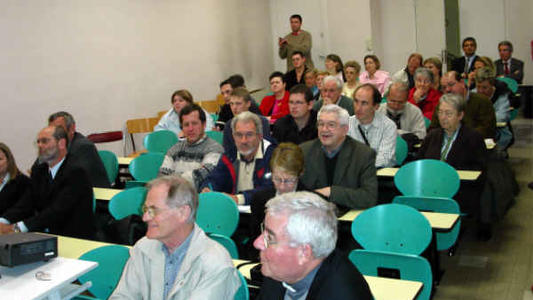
(401, 150)
(227, 242)
(410, 267)
(511, 83)
(427, 177)
(160, 141)
(126, 203)
(217, 213)
(146, 166)
(445, 240)
(215, 117)
(216, 135)
(111, 260)
(242, 293)
(110, 164)
(513, 114)
(392, 228)
(427, 122)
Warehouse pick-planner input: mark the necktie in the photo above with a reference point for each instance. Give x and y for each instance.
(395, 119)
(506, 68)
(446, 149)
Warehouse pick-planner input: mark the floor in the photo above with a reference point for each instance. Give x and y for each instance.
(501, 268)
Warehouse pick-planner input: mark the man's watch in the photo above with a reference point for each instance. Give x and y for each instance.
(16, 228)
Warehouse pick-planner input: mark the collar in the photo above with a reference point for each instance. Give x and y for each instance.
(333, 153)
(198, 142)
(4, 181)
(454, 135)
(395, 113)
(258, 153)
(181, 250)
(53, 170)
(296, 33)
(298, 289)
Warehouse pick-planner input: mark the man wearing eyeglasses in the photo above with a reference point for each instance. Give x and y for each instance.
(337, 166)
(297, 253)
(300, 124)
(241, 174)
(332, 94)
(176, 260)
(479, 112)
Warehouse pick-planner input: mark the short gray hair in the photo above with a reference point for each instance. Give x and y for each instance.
(456, 101)
(342, 114)
(485, 74)
(247, 116)
(69, 119)
(424, 72)
(180, 193)
(338, 82)
(311, 220)
(401, 86)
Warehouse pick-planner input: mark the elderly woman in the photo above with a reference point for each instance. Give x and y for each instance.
(372, 74)
(423, 94)
(434, 64)
(335, 67)
(287, 165)
(499, 94)
(351, 70)
(310, 78)
(407, 74)
(320, 75)
(460, 146)
(171, 121)
(13, 184)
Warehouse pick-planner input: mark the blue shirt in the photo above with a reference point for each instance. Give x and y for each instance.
(173, 263)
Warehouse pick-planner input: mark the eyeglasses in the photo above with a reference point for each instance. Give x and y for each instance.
(240, 135)
(287, 181)
(447, 113)
(267, 238)
(327, 125)
(152, 211)
(296, 103)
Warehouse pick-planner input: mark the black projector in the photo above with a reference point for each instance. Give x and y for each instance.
(26, 247)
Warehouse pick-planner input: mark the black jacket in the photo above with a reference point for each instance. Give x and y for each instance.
(13, 191)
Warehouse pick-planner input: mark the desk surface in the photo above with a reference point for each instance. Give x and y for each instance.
(463, 175)
(438, 221)
(124, 160)
(21, 283)
(105, 194)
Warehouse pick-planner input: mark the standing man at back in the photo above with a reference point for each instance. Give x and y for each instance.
(297, 40)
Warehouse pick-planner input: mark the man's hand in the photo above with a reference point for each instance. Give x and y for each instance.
(326, 191)
(282, 41)
(6, 228)
(206, 190)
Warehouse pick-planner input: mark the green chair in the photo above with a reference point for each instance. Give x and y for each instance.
(216, 135)
(111, 260)
(401, 150)
(126, 203)
(146, 166)
(217, 213)
(511, 83)
(227, 242)
(160, 141)
(427, 122)
(242, 293)
(445, 240)
(427, 177)
(110, 164)
(513, 114)
(409, 267)
(215, 117)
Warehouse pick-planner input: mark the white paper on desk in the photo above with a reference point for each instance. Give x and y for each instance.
(490, 143)
(245, 209)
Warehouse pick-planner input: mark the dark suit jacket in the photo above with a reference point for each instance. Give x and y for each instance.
(84, 154)
(355, 184)
(13, 191)
(516, 71)
(458, 65)
(229, 143)
(286, 130)
(63, 205)
(336, 279)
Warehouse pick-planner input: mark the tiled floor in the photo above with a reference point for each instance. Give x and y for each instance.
(501, 268)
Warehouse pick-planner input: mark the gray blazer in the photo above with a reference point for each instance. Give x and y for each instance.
(516, 71)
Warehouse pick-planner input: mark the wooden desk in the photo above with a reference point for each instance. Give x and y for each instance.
(105, 194)
(125, 161)
(438, 221)
(463, 175)
(20, 282)
(70, 247)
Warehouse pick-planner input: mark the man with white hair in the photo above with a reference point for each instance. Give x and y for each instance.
(298, 259)
(176, 259)
(332, 94)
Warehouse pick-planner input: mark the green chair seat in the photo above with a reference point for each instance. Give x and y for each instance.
(401, 150)
(110, 161)
(216, 135)
(126, 203)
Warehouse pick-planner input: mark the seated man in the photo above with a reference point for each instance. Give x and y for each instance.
(300, 125)
(337, 166)
(60, 200)
(479, 112)
(175, 260)
(226, 87)
(241, 101)
(296, 75)
(196, 156)
(81, 151)
(408, 117)
(298, 256)
(406, 75)
(331, 92)
(276, 105)
(373, 128)
(170, 120)
(508, 66)
(240, 175)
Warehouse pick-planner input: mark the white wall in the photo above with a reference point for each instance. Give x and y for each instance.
(109, 61)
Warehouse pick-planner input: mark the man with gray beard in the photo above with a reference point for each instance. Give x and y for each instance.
(60, 198)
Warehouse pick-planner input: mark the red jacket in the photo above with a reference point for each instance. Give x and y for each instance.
(267, 104)
(427, 106)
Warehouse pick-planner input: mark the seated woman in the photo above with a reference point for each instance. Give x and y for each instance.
(13, 184)
(372, 74)
(310, 78)
(499, 94)
(276, 105)
(434, 64)
(335, 67)
(480, 62)
(407, 74)
(461, 147)
(320, 75)
(352, 70)
(171, 121)
(423, 94)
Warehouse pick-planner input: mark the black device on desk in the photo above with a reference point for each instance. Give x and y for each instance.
(26, 247)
